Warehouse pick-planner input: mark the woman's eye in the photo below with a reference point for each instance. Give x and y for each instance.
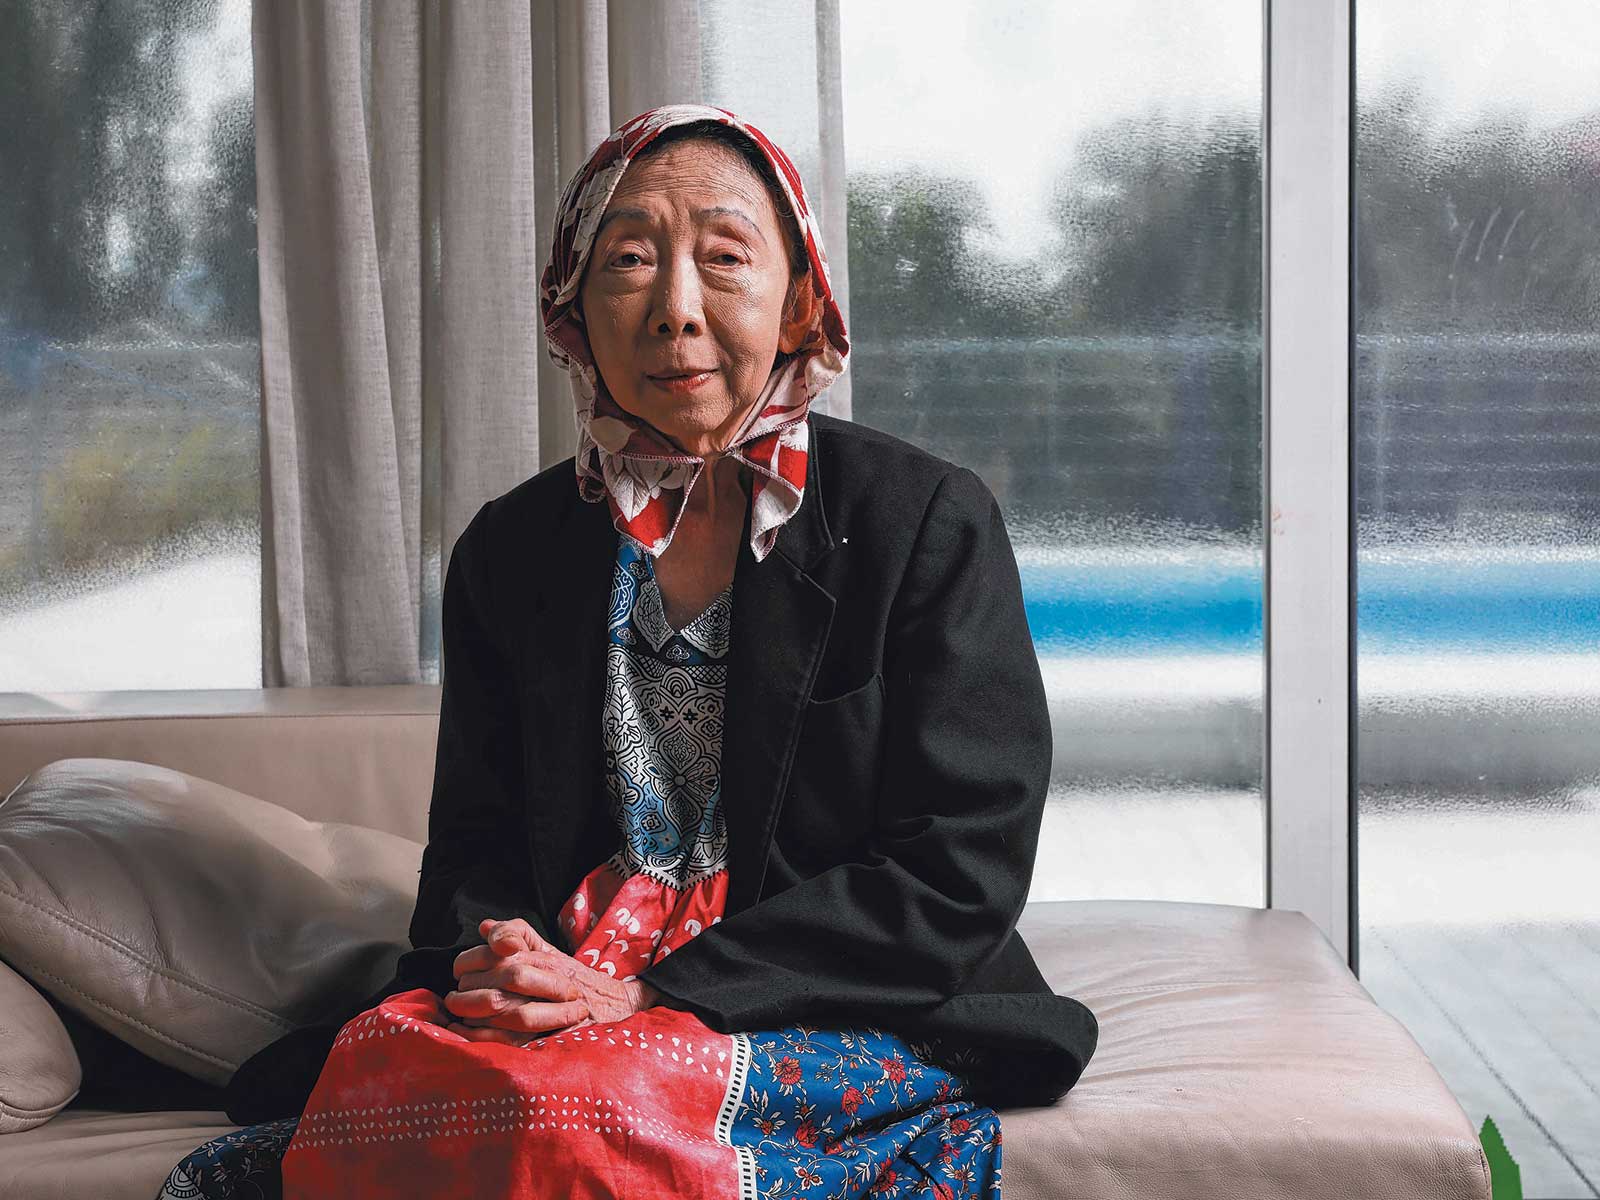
(724, 258)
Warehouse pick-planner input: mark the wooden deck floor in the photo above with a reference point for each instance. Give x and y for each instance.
(1511, 1018)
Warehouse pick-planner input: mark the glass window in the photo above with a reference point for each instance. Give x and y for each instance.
(1055, 264)
(1478, 558)
(129, 348)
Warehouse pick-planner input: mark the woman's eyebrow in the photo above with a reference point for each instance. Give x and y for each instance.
(731, 212)
(632, 214)
(639, 214)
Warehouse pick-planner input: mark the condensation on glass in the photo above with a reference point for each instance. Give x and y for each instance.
(1478, 558)
(1055, 265)
(129, 348)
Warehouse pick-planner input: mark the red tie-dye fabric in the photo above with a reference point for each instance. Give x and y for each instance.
(657, 1104)
(626, 461)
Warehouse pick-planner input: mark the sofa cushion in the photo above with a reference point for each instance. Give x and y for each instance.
(39, 1069)
(1239, 1059)
(87, 1152)
(194, 922)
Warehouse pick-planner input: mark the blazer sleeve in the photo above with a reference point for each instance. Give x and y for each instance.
(477, 862)
(968, 748)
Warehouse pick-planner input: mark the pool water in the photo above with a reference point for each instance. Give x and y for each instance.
(1141, 607)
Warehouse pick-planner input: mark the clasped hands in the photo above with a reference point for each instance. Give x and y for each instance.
(518, 986)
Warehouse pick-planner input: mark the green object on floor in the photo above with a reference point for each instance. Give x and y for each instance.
(1504, 1174)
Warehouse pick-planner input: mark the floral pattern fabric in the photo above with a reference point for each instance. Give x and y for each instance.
(845, 1113)
(655, 1104)
(244, 1163)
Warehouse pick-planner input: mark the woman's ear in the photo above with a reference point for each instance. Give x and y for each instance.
(801, 314)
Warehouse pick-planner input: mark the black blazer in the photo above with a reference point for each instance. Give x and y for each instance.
(885, 758)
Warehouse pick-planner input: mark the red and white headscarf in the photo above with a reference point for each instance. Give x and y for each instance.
(644, 477)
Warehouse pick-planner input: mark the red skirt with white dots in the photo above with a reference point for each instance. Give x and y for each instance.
(657, 1104)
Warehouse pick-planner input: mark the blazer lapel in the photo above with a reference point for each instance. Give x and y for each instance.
(781, 618)
(780, 622)
(570, 826)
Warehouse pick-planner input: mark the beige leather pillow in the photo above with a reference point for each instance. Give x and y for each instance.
(39, 1069)
(194, 922)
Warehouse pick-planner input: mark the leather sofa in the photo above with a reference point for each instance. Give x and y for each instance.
(1238, 1058)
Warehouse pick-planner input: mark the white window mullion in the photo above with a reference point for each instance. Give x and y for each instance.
(1309, 766)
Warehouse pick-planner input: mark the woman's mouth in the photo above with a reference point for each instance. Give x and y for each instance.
(680, 383)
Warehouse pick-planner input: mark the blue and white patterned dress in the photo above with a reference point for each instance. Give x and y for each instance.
(661, 723)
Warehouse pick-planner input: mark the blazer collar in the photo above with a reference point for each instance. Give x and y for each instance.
(805, 536)
(780, 623)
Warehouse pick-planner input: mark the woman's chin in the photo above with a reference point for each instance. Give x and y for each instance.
(692, 428)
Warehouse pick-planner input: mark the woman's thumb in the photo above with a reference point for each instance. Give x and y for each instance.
(506, 938)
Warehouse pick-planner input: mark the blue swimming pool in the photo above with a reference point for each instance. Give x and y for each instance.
(1548, 605)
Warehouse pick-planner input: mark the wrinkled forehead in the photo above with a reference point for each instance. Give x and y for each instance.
(716, 178)
(710, 170)
(727, 192)
(612, 161)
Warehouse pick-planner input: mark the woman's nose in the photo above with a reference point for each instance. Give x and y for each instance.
(677, 296)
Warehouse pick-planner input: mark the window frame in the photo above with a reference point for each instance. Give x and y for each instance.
(1308, 522)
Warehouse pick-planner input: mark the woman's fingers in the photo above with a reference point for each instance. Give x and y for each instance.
(507, 937)
(519, 983)
(480, 1002)
(502, 939)
(488, 1033)
(522, 1015)
(476, 958)
(524, 979)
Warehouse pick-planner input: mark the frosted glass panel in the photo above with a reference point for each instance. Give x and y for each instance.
(1478, 563)
(1055, 262)
(129, 348)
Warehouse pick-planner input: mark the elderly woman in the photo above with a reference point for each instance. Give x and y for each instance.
(743, 750)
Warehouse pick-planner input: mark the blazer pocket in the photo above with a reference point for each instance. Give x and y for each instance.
(872, 682)
(833, 787)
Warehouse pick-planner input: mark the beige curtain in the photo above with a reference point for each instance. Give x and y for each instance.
(409, 155)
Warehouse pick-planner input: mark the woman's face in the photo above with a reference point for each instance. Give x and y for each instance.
(689, 272)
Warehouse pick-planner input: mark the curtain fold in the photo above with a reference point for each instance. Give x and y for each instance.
(409, 156)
